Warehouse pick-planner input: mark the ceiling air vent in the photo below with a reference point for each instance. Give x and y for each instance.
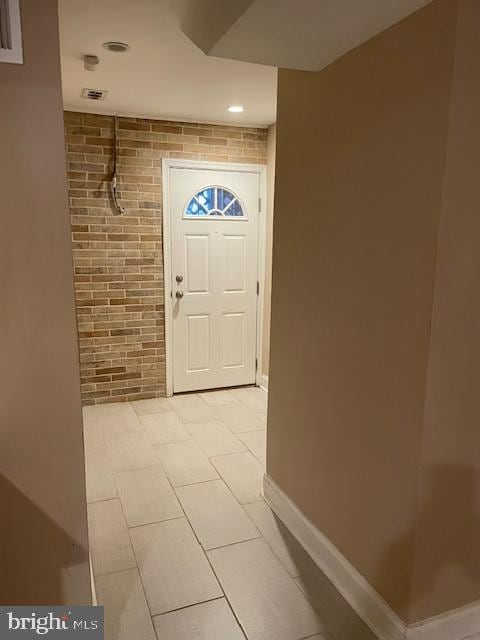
(10, 32)
(93, 94)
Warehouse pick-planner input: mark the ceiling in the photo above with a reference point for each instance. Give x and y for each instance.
(297, 34)
(164, 75)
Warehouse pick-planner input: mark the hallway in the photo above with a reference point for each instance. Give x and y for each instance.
(182, 543)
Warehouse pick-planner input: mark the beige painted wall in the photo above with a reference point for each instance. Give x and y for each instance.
(361, 151)
(43, 533)
(271, 145)
(447, 545)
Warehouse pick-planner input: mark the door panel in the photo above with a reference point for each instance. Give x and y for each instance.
(198, 340)
(216, 260)
(196, 263)
(233, 342)
(235, 263)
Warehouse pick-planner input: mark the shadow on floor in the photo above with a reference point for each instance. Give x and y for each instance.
(34, 552)
(338, 618)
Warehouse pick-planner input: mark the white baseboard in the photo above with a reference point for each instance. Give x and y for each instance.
(264, 382)
(92, 582)
(461, 624)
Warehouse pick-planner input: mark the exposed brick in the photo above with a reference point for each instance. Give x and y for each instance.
(166, 128)
(118, 262)
(111, 370)
(216, 142)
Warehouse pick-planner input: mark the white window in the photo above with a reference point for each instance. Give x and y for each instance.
(216, 202)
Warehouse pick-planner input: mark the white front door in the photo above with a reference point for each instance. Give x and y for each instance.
(214, 269)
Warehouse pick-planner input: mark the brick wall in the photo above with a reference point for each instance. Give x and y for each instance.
(118, 259)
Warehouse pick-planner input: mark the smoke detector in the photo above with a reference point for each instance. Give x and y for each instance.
(116, 47)
(94, 94)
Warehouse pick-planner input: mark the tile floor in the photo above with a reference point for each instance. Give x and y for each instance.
(183, 545)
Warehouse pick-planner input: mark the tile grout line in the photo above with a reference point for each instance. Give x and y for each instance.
(187, 606)
(226, 597)
(226, 427)
(209, 563)
(222, 478)
(190, 484)
(244, 511)
(248, 448)
(135, 555)
(234, 453)
(217, 417)
(146, 524)
(112, 573)
(260, 537)
(204, 551)
(208, 559)
(294, 578)
(258, 414)
(103, 499)
(211, 567)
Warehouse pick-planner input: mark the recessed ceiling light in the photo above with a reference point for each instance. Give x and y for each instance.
(236, 108)
(116, 47)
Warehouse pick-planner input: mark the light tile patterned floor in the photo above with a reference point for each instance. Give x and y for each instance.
(183, 545)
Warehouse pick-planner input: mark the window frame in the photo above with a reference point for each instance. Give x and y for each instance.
(215, 216)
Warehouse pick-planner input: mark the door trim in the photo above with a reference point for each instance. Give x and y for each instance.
(261, 170)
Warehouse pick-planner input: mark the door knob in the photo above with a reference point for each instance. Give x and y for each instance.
(179, 278)
(179, 294)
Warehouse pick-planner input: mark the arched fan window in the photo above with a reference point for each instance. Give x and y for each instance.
(216, 202)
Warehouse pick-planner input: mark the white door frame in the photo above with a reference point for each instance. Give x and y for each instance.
(261, 170)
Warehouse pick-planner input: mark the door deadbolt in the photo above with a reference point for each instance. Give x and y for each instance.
(179, 278)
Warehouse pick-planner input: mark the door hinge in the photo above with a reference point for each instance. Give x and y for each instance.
(256, 364)
(258, 288)
(259, 205)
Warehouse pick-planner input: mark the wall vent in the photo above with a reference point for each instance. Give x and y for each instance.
(10, 32)
(94, 94)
